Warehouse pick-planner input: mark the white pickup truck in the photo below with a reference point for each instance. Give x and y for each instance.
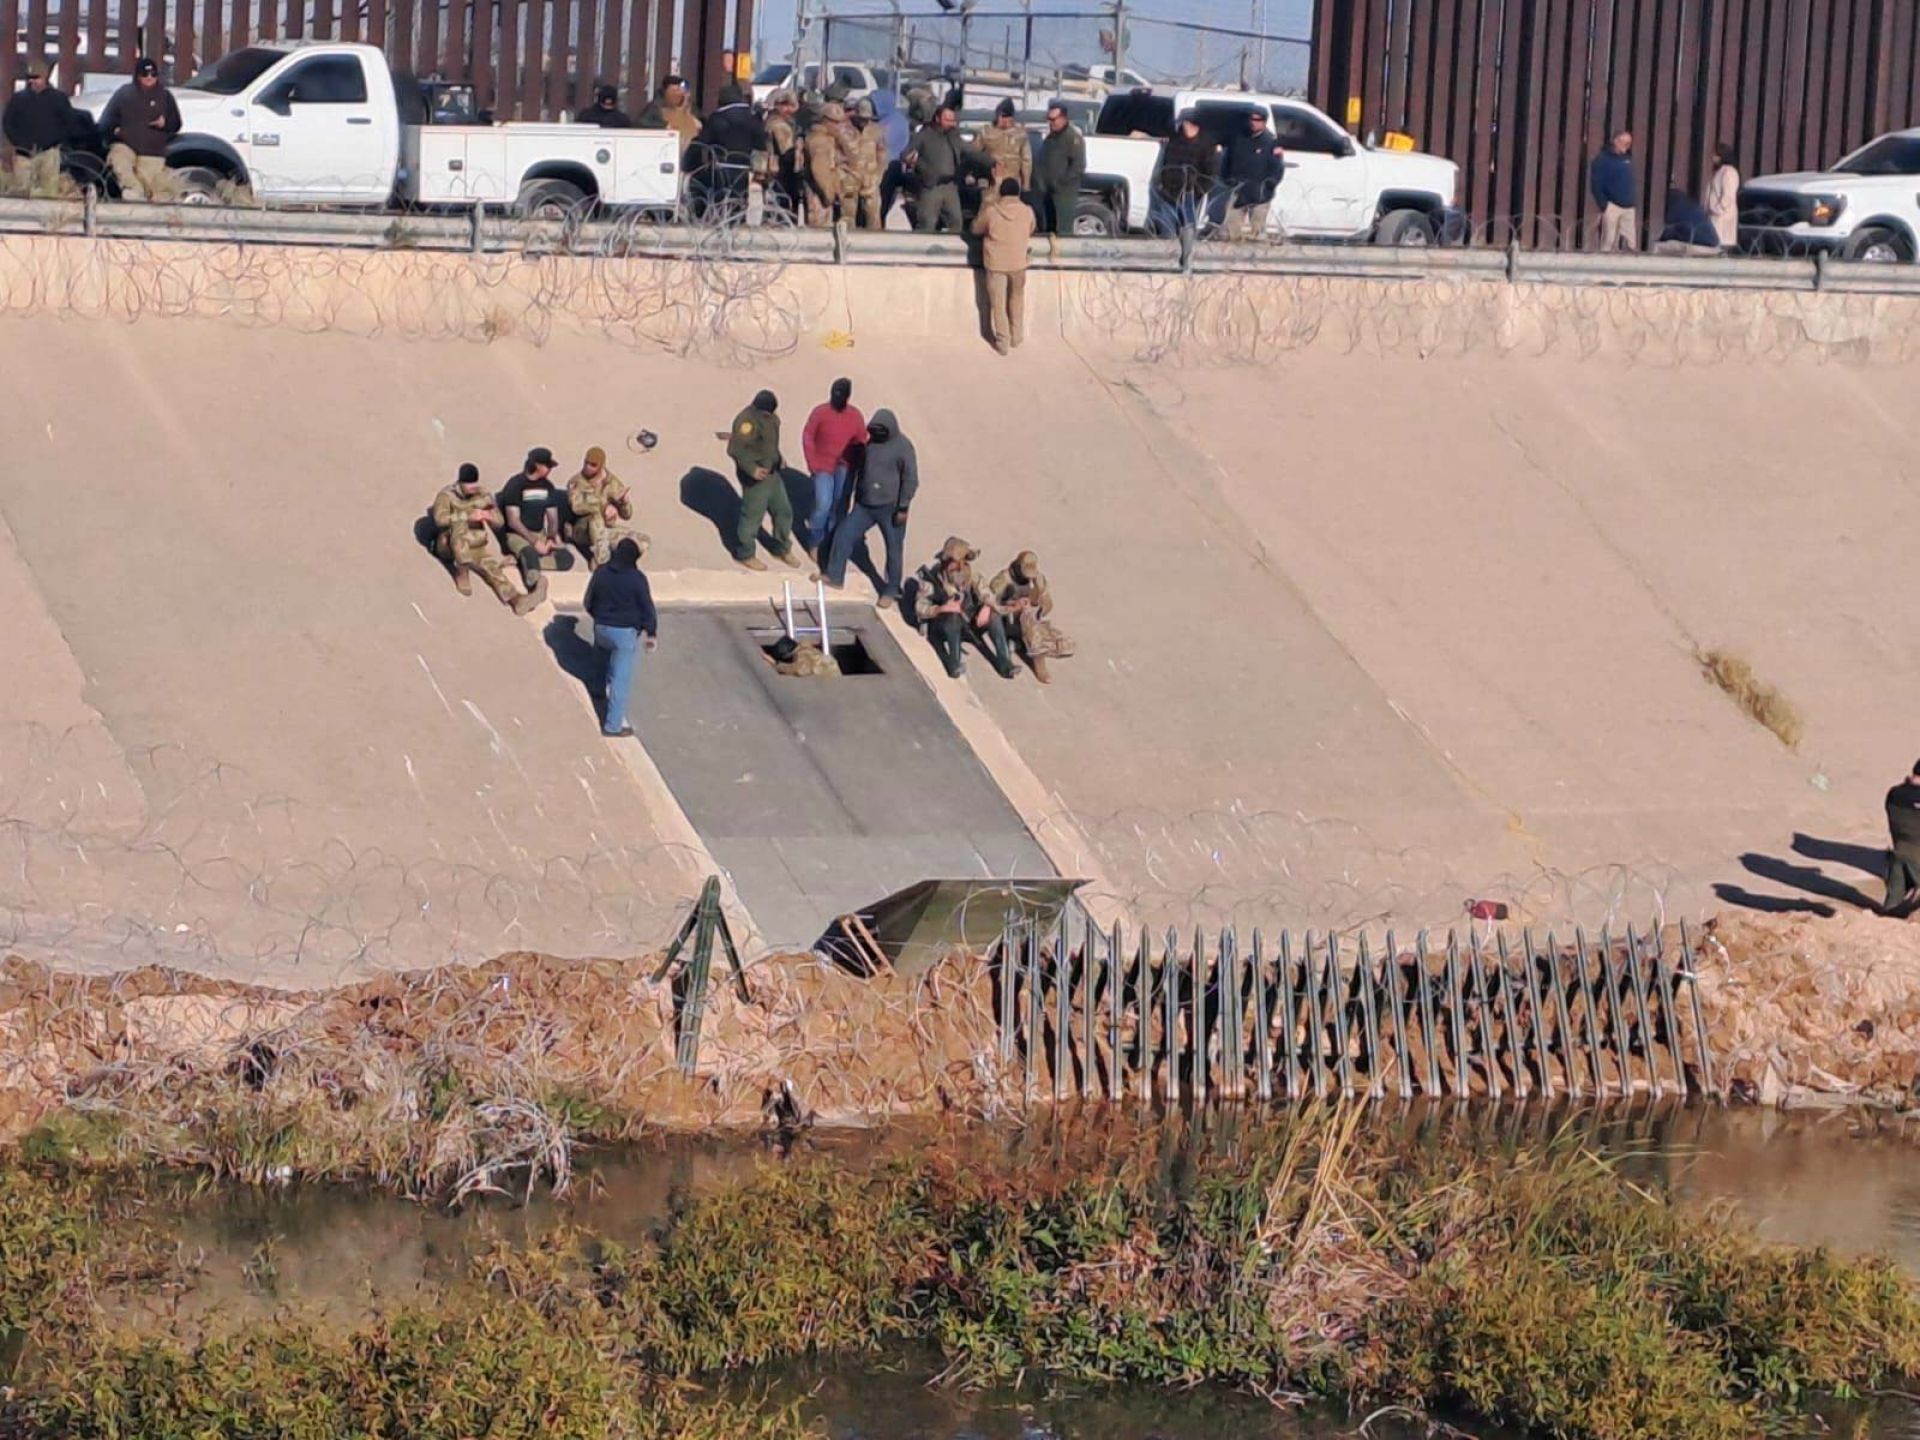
(325, 123)
(1867, 207)
(1334, 188)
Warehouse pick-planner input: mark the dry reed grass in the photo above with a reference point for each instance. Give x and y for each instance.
(1761, 701)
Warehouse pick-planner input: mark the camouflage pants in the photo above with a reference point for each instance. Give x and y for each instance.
(867, 205)
(597, 536)
(819, 210)
(1041, 639)
(141, 177)
(486, 563)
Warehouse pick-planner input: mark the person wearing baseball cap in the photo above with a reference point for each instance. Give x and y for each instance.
(139, 123)
(38, 120)
(605, 111)
(531, 504)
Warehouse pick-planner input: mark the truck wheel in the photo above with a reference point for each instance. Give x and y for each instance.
(199, 184)
(550, 199)
(1877, 245)
(1404, 227)
(1094, 218)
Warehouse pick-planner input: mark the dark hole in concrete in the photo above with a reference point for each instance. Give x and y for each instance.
(850, 654)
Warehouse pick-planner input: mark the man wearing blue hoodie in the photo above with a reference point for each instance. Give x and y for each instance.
(1617, 193)
(896, 129)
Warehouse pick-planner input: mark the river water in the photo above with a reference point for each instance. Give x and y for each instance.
(1844, 1179)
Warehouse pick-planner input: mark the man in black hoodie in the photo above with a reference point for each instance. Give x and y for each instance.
(1254, 165)
(1188, 167)
(605, 111)
(722, 153)
(886, 477)
(139, 122)
(620, 602)
(38, 121)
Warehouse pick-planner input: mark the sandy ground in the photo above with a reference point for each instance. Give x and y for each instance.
(1370, 626)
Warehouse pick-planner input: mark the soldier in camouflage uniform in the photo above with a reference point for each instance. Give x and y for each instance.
(602, 509)
(782, 169)
(827, 157)
(464, 516)
(870, 145)
(1006, 143)
(952, 606)
(802, 658)
(1020, 593)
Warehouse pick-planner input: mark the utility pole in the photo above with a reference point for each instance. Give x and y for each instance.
(799, 45)
(1119, 41)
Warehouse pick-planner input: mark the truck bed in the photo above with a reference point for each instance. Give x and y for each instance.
(461, 164)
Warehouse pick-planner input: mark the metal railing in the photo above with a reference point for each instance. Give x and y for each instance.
(483, 232)
(1082, 1014)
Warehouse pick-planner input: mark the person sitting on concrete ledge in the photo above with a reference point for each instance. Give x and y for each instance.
(951, 603)
(602, 510)
(1019, 593)
(464, 518)
(531, 504)
(1689, 229)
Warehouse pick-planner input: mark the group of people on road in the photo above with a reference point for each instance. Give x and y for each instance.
(1708, 225)
(864, 475)
(43, 128)
(1228, 187)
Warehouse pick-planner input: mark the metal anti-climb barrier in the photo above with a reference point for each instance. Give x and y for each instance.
(1084, 1014)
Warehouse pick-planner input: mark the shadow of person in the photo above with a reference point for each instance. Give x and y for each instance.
(425, 533)
(566, 637)
(709, 493)
(1772, 904)
(1807, 878)
(1868, 859)
(982, 303)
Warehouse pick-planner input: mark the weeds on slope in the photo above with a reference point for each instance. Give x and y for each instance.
(1536, 1290)
(1760, 701)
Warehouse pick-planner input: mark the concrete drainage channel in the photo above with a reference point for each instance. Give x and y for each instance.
(825, 796)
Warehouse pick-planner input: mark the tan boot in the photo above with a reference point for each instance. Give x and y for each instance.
(527, 602)
(752, 562)
(1040, 671)
(463, 582)
(787, 557)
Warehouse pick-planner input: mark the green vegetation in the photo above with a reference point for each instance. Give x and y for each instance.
(1535, 1290)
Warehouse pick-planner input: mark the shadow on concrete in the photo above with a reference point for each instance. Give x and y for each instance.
(1867, 859)
(1808, 879)
(983, 307)
(709, 493)
(578, 659)
(1772, 904)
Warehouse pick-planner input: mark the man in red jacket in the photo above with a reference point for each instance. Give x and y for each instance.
(833, 432)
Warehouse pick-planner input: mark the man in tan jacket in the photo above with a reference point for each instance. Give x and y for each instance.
(1006, 224)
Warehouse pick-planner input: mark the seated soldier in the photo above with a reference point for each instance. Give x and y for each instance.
(601, 508)
(952, 605)
(464, 517)
(1020, 593)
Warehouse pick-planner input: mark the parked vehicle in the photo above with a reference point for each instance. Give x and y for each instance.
(859, 79)
(1866, 207)
(1335, 188)
(324, 123)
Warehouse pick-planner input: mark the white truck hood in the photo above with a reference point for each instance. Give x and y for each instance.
(1414, 170)
(194, 105)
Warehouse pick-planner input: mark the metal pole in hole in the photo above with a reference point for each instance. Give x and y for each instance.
(1669, 1004)
(1516, 1053)
(826, 628)
(1397, 997)
(1567, 1057)
(1638, 978)
(1262, 1033)
(1289, 1015)
(1477, 968)
(1535, 1011)
(1692, 975)
(1337, 1004)
(1427, 1026)
(1369, 1016)
(1592, 1008)
(786, 587)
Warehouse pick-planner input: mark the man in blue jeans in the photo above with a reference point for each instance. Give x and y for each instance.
(886, 477)
(621, 604)
(834, 434)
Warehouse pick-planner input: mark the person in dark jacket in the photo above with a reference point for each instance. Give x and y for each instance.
(38, 120)
(1617, 193)
(1250, 175)
(1058, 173)
(936, 161)
(754, 447)
(886, 477)
(673, 110)
(620, 602)
(605, 111)
(1903, 829)
(1189, 165)
(138, 122)
(721, 156)
(1689, 229)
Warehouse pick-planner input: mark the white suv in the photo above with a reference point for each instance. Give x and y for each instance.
(1867, 207)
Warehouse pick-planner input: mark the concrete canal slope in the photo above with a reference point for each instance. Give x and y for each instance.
(1387, 597)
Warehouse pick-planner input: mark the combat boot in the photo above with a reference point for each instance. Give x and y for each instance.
(752, 562)
(1040, 671)
(463, 582)
(787, 557)
(523, 604)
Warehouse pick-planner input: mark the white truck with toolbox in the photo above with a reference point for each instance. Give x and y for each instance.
(329, 124)
(1866, 207)
(1335, 188)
